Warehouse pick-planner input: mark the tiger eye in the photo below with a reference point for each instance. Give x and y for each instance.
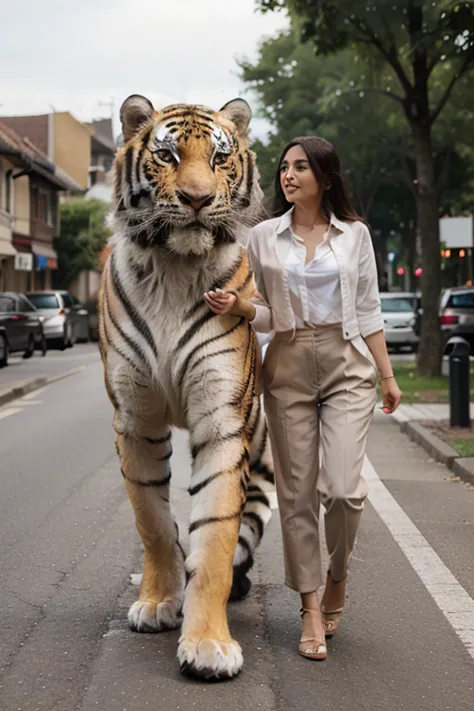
(165, 156)
(220, 159)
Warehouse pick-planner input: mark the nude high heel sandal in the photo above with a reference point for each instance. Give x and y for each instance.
(313, 647)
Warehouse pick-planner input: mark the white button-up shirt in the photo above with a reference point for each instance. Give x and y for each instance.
(268, 247)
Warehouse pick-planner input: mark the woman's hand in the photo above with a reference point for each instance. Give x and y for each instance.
(221, 302)
(391, 394)
(225, 302)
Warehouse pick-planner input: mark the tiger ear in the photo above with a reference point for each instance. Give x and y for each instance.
(133, 113)
(240, 113)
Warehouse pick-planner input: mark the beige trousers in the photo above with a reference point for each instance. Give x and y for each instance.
(319, 394)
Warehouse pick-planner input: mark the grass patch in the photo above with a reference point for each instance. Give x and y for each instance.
(465, 447)
(459, 438)
(418, 388)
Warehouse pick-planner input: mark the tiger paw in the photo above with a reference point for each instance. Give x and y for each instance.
(152, 617)
(210, 659)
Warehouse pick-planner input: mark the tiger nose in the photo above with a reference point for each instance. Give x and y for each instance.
(194, 199)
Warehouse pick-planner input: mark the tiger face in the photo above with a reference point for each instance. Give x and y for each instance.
(185, 178)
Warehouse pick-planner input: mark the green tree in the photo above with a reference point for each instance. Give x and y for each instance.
(299, 93)
(83, 235)
(428, 47)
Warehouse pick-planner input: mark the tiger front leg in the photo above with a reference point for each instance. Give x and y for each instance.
(146, 469)
(220, 471)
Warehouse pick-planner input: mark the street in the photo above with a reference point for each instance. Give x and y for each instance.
(69, 556)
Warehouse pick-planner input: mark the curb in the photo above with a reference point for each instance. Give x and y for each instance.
(463, 467)
(441, 452)
(28, 386)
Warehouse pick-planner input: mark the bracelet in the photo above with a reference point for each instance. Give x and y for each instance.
(387, 377)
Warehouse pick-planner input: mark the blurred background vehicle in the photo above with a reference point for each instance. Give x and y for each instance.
(22, 326)
(80, 315)
(66, 320)
(3, 347)
(457, 315)
(399, 315)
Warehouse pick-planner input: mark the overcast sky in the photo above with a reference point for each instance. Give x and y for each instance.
(74, 54)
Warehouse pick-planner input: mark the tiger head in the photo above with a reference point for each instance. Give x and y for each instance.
(185, 178)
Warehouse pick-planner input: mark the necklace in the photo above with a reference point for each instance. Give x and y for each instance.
(311, 226)
(304, 227)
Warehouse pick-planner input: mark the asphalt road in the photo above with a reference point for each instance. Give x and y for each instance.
(68, 547)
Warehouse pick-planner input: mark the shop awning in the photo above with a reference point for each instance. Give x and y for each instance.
(43, 250)
(6, 248)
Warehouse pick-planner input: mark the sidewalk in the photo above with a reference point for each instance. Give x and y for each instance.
(23, 376)
(411, 418)
(424, 411)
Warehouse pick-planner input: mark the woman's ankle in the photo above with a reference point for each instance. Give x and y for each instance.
(309, 601)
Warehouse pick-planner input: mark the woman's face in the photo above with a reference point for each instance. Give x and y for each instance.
(297, 180)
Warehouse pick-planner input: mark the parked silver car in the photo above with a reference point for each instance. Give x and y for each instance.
(399, 314)
(457, 314)
(66, 321)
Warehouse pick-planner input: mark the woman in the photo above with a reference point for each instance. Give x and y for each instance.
(316, 274)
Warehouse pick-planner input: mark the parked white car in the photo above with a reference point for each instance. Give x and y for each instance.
(399, 314)
(65, 318)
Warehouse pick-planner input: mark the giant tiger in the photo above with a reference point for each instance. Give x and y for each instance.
(185, 186)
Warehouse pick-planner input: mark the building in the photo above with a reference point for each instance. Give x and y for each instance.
(29, 188)
(102, 150)
(63, 140)
(81, 156)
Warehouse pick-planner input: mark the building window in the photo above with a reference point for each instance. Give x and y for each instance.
(43, 205)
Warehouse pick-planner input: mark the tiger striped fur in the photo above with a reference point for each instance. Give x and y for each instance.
(185, 184)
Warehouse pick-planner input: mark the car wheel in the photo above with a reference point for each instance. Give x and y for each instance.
(31, 347)
(3, 351)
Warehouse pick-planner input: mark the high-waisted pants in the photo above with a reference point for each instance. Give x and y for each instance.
(319, 396)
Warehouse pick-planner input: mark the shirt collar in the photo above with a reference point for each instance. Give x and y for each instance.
(285, 222)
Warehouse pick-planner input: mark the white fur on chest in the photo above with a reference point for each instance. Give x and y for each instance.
(169, 299)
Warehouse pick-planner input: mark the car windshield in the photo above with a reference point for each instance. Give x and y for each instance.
(462, 301)
(396, 305)
(44, 301)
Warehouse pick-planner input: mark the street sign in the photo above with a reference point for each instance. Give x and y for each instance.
(456, 232)
(24, 261)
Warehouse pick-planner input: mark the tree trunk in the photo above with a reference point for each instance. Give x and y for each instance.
(429, 354)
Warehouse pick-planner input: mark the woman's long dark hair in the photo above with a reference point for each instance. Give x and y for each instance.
(326, 166)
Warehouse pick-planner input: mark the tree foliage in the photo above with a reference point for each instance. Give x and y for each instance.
(423, 50)
(83, 235)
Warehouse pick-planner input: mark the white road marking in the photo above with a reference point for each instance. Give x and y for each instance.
(9, 411)
(450, 596)
(33, 394)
